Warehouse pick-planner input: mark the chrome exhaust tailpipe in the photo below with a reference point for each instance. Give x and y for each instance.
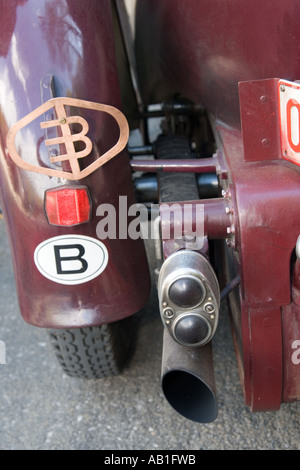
(189, 300)
(188, 381)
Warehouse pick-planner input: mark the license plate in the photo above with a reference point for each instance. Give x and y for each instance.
(289, 110)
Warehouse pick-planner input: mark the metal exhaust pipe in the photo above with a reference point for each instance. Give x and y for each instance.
(188, 380)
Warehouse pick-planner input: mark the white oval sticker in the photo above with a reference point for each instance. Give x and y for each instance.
(71, 259)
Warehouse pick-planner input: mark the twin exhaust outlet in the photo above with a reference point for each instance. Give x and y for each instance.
(189, 300)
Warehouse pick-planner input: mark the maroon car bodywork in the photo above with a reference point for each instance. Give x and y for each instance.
(227, 57)
(73, 42)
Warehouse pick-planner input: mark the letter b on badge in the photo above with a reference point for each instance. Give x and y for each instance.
(67, 263)
(71, 259)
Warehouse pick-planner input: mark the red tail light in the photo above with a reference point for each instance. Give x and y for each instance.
(68, 205)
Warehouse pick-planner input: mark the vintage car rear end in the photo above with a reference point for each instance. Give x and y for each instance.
(222, 169)
(238, 63)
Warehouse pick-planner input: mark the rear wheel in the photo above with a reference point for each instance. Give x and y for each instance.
(93, 352)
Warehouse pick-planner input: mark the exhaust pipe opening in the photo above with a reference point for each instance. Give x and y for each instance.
(188, 381)
(190, 396)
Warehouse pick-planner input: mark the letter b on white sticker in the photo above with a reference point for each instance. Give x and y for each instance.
(71, 259)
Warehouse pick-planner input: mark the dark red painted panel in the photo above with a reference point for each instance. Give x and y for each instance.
(73, 42)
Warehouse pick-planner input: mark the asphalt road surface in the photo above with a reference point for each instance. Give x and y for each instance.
(41, 408)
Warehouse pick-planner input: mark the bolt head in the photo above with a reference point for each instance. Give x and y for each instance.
(265, 141)
(264, 98)
(168, 313)
(209, 307)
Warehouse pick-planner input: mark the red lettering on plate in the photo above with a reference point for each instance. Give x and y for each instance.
(292, 103)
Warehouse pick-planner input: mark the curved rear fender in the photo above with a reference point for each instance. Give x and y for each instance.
(66, 49)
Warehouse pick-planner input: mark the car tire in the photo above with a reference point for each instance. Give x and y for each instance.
(93, 352)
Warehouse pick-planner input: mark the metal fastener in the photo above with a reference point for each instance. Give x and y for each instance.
(265, 141)
(209, 307)
(263, 98)
(168, 313)
(226, 193)
(229, 243)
